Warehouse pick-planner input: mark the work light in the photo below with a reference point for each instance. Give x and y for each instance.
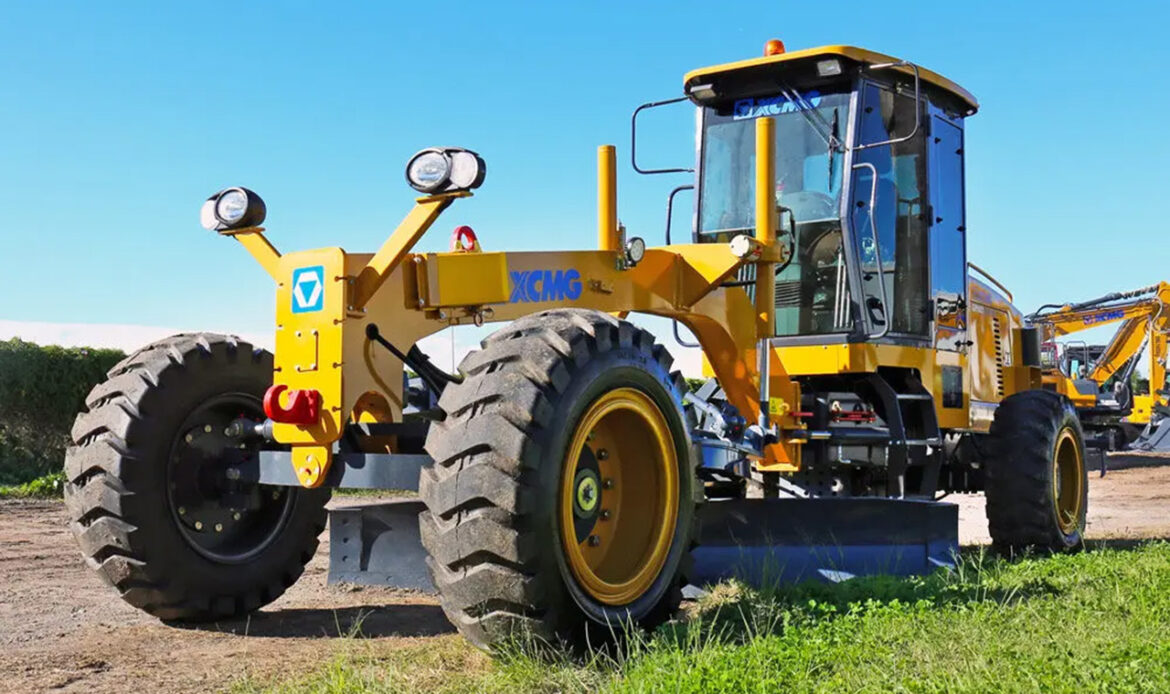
(635, 250)
(232, 208)
(445, 169)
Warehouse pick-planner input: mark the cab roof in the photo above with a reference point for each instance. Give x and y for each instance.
(858, 56)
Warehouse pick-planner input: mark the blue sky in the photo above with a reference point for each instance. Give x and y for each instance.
(117, 119)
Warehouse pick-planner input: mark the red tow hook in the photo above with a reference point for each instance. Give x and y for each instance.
(303, 405)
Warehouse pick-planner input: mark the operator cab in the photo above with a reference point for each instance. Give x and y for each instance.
(869, 182)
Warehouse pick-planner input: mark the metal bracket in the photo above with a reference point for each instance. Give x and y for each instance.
(349, 470)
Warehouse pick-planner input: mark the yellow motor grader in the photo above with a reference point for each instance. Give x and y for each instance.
(862, 370)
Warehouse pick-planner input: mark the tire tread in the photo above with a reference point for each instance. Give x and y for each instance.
(103, 486)
(477, 530)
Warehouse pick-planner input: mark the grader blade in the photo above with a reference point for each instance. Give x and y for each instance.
(762, 542)
(769, 541)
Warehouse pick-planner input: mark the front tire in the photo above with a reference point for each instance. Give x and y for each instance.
(146, 494)
(1037, 484)
(562, 496)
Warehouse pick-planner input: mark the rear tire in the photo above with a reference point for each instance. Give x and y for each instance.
(522, 475)
(1037, 483)
(143, 490)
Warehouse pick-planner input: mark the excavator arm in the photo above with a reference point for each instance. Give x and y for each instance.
(1144, 315)
(1127, 342)
(1143, 318)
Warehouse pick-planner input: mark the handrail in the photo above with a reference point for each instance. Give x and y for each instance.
(669, 218)
(670, 207)
(877, 249)
(987, 275)
(917, 106)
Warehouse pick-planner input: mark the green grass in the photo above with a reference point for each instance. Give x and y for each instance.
(1098, 621)
(47, 487)
(373, 493)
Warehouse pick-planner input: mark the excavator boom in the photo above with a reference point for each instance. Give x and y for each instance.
(1111, 416)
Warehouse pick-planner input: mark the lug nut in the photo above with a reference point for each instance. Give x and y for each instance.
(594, 540)
(182, 510)
(188, 438)
(199, 525)
(276, 494)
(219, 527)
(207, 429)
(602, 454)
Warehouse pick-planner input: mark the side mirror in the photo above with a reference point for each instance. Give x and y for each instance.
(634, 137)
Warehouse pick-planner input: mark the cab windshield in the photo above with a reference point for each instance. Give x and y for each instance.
(808, 174)
(812, 292)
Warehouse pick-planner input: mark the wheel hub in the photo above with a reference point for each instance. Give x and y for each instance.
(224, 520)
(588, 493)
(619, 499)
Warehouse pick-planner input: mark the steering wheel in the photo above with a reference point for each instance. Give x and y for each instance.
(810, 204)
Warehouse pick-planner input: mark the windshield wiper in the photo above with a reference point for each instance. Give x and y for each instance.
(819, 125)
(834, 143)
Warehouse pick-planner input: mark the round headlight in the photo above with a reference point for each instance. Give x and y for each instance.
(428, 170)
(635, 250)
(445, 169)
(465, 169)
(232, 208)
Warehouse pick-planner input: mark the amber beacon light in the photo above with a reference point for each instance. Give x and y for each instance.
(773, 47)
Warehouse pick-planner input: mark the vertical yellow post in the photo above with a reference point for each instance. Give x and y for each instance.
(607, 221)
(766, 223)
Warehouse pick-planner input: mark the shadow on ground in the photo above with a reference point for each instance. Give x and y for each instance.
(1127, 460)
(368, 621)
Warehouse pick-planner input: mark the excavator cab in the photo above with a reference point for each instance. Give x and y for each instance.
(869, 188)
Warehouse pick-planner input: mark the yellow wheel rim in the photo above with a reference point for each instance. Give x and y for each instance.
(619, 497)
(1067, 481)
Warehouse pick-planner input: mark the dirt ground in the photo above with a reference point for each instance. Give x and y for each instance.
(62, 629)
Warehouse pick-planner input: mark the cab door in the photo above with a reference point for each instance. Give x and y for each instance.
(887, 214)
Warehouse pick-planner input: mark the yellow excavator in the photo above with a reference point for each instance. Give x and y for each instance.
(1097, 378)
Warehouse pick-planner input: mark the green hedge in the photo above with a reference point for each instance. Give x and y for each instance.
(41, 390)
